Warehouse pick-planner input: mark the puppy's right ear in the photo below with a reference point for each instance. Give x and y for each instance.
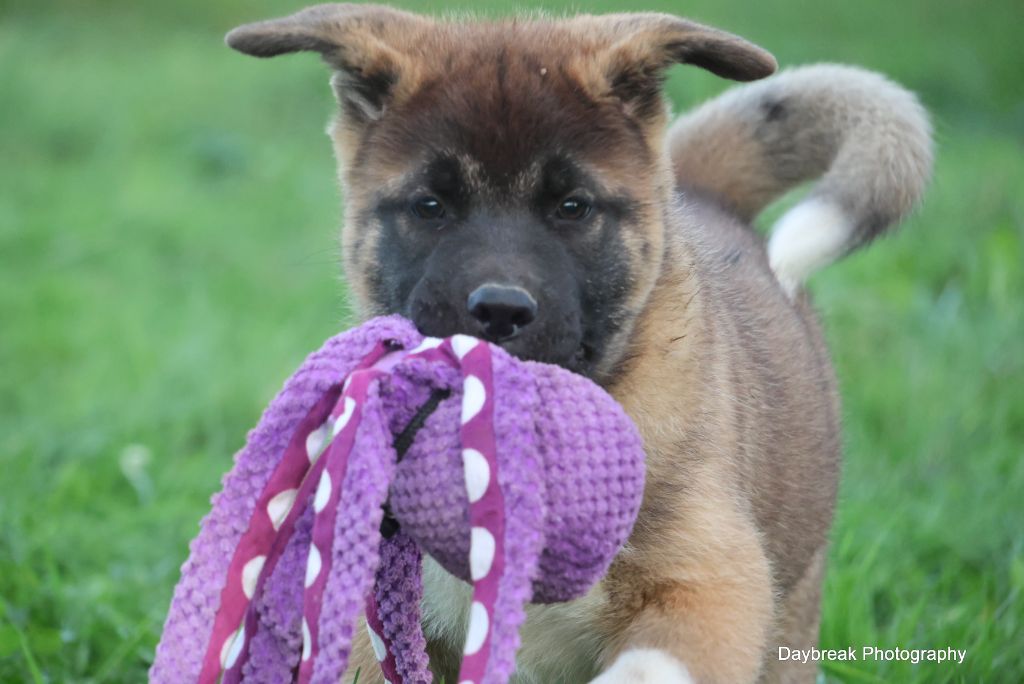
(361, 42)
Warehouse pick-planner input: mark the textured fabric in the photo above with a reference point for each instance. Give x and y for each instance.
(525, 481)
(395, 615)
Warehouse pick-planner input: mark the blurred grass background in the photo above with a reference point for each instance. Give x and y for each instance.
(168, 254)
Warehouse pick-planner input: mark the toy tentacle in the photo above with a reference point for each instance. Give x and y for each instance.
(276, 645)
(520, 476)
(347, 417)
(354, 557)
(501, 583)
(270, 528)
(393, 612)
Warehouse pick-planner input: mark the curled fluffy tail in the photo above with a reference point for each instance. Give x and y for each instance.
(866, 140)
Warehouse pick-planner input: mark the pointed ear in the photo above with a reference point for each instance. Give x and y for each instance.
(361, 42)
(644, 46)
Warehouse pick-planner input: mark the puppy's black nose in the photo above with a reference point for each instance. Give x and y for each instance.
(502, 310)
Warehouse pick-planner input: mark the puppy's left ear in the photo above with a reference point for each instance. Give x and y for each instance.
(643, 46)
(363, 43)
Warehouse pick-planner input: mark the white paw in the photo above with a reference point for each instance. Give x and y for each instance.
(645, 666)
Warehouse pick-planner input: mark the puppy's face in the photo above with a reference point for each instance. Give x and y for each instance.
(504, 180)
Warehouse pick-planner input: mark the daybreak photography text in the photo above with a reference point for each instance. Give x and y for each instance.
(874, 654)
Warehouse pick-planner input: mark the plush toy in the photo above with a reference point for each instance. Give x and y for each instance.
(521, 478)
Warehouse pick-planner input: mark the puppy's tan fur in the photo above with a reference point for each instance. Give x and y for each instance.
(721, 366)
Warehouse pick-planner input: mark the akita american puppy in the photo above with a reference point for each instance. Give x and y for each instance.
(519, 180)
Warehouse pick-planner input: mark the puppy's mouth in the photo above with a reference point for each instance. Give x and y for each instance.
(509, 318)
(580, 360)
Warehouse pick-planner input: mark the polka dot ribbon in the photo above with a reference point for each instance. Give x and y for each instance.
(313, 468)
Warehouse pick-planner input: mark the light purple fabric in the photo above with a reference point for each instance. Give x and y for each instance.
(570, 469)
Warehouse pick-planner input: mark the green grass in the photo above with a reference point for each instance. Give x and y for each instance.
(168, 255)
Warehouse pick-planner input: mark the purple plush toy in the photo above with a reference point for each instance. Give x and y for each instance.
(521, 478)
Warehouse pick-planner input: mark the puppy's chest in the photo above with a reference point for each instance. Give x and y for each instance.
(559, 641)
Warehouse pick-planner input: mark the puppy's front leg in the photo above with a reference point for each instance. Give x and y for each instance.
(705, 621)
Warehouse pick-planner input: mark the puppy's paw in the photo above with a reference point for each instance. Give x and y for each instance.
(645, 666)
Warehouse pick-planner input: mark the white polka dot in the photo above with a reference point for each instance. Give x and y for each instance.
(378, 644)
(232, 648)
(323, 492)
(278, 507)
(227, 647)
(481, 552)
(251, 574)
(478, 626)
(463, 344)
(307, 640)
(427, 343)
(473, 396)
(477, 473)
(346, 415)
(313, 565)
(317, 440)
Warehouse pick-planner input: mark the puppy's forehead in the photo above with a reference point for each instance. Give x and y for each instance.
(501, 102)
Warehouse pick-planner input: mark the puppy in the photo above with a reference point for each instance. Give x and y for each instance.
(518, 180)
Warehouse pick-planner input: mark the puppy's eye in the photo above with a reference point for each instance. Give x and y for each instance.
(573, 209)
(428, 208)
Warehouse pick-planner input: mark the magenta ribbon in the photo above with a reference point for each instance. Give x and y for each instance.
(314, 467)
